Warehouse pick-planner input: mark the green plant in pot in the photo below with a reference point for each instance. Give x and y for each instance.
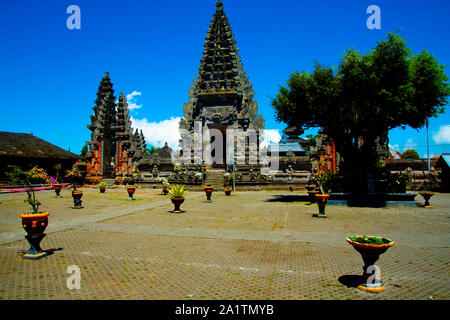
(321, 198)
(208, 190)
(370, 248)
(166, 185)
(34, 222)
(227, 182)
(102, 187)
(177, 194)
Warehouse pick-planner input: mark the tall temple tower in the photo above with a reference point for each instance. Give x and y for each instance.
(221, 97)
(113, 150)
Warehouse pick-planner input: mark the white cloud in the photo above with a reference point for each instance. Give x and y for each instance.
(410, 144)
(132, 105)
(443, 135)
(394, 147)
(157, 133)
(270, 135)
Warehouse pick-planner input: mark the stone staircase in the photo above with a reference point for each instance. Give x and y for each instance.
(110, 183)
(214, 177)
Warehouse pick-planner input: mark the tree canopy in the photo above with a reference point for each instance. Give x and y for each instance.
(410, 154)
(364, 97)
(151, 149)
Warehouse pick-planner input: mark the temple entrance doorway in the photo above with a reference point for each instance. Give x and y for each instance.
(219, 162)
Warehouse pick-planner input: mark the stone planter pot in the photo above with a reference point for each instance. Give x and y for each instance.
(426, 196)
(57, 187)
(177, 203)
(77, 195)
(131, 191)
(35, 225)
(370, 254)
(227, 192)
(208, 191)
(321, 200)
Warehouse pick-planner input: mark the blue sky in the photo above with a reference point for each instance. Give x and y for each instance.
(50, 74)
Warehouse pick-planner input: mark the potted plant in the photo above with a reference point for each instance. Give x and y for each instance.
(34, 222)
(166, 185)
(131, 189)
(102, 187)
(397, 182)
(75, 173)
(227, 182)
(57, 187)
(426, 195)
(208, 190)
(177, 194)
(370, 248)
(77, 195)
(322, 198)
(311, 189)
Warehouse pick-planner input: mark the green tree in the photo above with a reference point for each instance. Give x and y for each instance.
(83, 152)
(151, 149)
(357, 103)
(410, 154)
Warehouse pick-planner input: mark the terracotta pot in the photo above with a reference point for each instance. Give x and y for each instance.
(77, 195)
(131, 191)
(57, 187)
(426, 196)
(177, 203)
(35, 225)
(227, 191)
(370, 254)
(322, 200)
(208, 191)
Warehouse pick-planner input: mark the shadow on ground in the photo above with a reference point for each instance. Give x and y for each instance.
(351, 280)
(288, 198)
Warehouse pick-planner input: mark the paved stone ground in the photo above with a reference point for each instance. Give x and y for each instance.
(251, 245)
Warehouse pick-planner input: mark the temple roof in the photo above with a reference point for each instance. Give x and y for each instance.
(221, 79)
(444, 159)
(27, 145)
(286, 146)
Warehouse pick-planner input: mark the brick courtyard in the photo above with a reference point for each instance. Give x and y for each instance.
(251, 245)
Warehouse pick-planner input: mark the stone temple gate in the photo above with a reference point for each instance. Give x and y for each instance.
(220, 98)
(113, 151)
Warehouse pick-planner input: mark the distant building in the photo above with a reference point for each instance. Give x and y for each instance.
(26, 151)
(443, 163)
